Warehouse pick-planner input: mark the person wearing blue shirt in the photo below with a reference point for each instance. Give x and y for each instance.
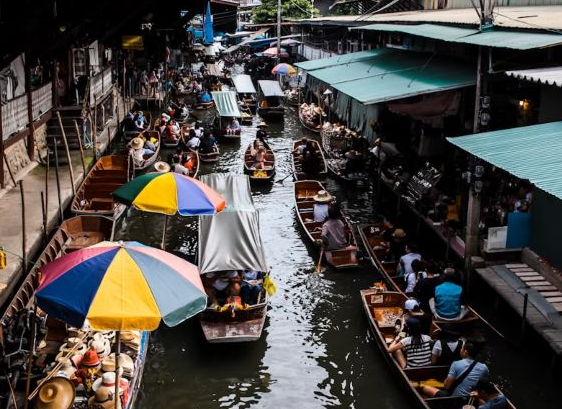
(462, 377)
(205, 97)
(447, 302)
(489, 396)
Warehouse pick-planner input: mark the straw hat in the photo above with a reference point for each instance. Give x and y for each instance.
(137, 143)
(71, 343)
(90, 359)
(130, 336)
(56, 393)
(104, 398)
(101, 345)
(399, 233)
(322, 196)
(67, 368)
(125, 362)
(262, 124)
(107, 380)
(161, 167)
(75, 332)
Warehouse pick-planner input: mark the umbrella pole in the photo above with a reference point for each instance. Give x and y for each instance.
(163, 245)
(117, 355)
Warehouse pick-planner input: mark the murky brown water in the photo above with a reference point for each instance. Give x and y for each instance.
(316, 350)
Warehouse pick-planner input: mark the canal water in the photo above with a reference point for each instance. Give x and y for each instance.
(316, 350)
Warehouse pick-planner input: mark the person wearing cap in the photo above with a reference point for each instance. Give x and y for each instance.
(320, 208)
(447, 303)
(138, 151)
(88, 369)
(140, 121)
(416, 345)
(261, 134)
(489, 397)
(406, 259)
(412, 309)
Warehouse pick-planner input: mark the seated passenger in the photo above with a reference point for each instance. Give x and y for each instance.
(138, 151)
(216, 285)
(416, 345)
(259, 159)
(205, 98)
(418, 273)
(194, 141)
(488, 396)
(463, 375)
(333, 233)
(446, 349)
(447, 303)
(320, 208)
(177, 167)
(233, 127)
(406, 259)
(251, 287)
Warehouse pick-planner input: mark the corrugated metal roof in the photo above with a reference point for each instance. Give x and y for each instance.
(528, 17)
(395, 74)
(548, 76)
(529, 152)
(226, 103)
(339, 59)
(243, 84)
(519, 40)
(271, 88)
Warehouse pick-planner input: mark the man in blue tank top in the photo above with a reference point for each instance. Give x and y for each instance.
(447, 302)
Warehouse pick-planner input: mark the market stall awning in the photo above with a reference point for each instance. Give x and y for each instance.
(270, 88)
(226, 103)
(214, 69)
(493, 37)
(338, 59)
(251, 37)
(529, 152)
(395, 74)
(548, 76)
(243, 84)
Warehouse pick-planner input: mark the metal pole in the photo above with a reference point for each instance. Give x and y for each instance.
(117, 356)
(30, 358)
(524, 316)
(278, 31)
(63, 133)
(47, 193)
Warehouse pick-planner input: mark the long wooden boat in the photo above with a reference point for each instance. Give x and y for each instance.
(297, 167)
(94, 194)
(271, 104)
(194, 171)
(382, 309)
(332, 145)
(371, 237)
(210, 157)
(274, 114)
(336, 168)
(304, 191)
(260, 175)
(128, 135)
(150, 159)
(221, 249)
(312, 127)
(293, 98)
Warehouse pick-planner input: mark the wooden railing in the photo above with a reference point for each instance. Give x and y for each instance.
(100, 84)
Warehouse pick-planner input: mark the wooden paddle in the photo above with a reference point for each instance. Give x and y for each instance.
(281, 180)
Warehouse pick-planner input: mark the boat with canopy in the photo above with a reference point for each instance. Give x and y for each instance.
(271, 104)
(231, 241)
(246, 91)
(227, 108)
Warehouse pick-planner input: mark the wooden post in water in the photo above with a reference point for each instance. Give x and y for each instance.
(63, 133)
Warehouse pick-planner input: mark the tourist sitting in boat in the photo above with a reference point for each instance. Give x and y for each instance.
(140, 121)
(233, 127)
(259, 158)
(128, 123)
(425, 288)
(488, 396)
(194, 141)
(205, 98)
(416, 345)
(447, 303)
(177, 166)
(261, 134)
(463, 375)
(196, 87)
(320, 208)
(138, 151)
(311, 160)
(406, 259)
(418, 273)
(251, 286)
(172, 132)
(447, 348)
(333, 232)
(412, 309)
(256, 145)
(216, 283)
(208, 142)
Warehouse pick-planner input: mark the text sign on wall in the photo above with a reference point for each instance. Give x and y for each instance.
(134, 43)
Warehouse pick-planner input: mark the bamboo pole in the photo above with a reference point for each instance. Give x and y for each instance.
(117, 369)
(57, 177)
(47, 193)
(81, 148)
(67, 153)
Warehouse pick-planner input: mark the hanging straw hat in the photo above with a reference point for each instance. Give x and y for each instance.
(125, 363)
(101, 346)
(161, 167)
(73, 343)
(262, 124)
(137, 143)
(399, 233)
(56, 393)
(322, 196)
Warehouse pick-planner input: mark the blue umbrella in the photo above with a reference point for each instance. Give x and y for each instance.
(208, 35)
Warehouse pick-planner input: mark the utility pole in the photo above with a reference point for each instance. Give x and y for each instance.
(278, 31)
(474, 201)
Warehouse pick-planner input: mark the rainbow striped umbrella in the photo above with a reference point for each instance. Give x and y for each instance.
(285, 69)
(170, 193)
(121, 286)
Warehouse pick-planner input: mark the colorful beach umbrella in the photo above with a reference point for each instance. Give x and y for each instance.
(170, 193)
(121, 286)
(284, 69)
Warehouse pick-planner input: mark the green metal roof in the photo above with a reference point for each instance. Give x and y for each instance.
(396, 74)
(339, 59)
(226, 103)
(529, 152)
(494, 37)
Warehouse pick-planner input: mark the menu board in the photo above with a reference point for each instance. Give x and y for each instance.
(422, 181)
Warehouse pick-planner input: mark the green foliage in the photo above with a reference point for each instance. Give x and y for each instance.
(290, 10)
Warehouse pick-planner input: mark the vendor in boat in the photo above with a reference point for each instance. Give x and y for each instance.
(140, 121)
(311, 160)
(354, 164)
(416, 346)
(447, 303)
(261, 134)
(216, 284)
(234, 127)
(463, 375)
(128, 124)
(321, 206)
(208, 143)
(259, 158)
(251, 286)
(333, 232)
(194, 142)
(488, 396)
(138, 151)
(205, 98)
(300, 149)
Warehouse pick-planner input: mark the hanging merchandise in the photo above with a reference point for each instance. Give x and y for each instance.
(2, 258)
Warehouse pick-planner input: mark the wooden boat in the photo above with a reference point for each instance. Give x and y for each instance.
(293, 98)
(297, 168)
(194, 171)
(94, 194)
(306, 123)
(210, 157)
(382, 309)
(227, 108)
(371, 237)
(246, 91)
(73, 234)
(221, 249)
(304, 191)
(259, 175)
(271, 103)
(332, 145)
(150, 160)
(128, 135)
(336, 170)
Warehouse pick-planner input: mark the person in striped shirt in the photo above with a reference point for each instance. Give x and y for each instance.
(415, 349)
